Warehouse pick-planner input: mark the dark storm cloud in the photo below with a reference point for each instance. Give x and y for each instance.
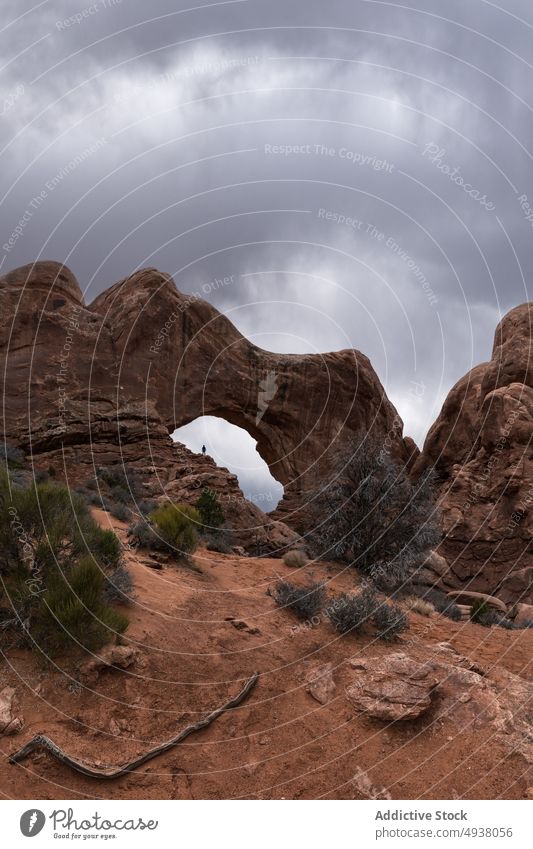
(158, 136)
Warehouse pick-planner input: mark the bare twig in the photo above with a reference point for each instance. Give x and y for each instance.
(42, 742)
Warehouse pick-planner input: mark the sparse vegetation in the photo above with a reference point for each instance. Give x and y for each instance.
(390, 621)
(419, 605)
(295, 559)
(349, 612)
(373, 516)
(118, 586)
(73, 610)
(144, 535)
(146, 507)
(55, 561)
(219, 541)
(305, 601)
(479, 610)
(177, 525)
(440, 601)
(120, 512)
(13, 457)
(211, 513)
(170, 528)
(490, 617)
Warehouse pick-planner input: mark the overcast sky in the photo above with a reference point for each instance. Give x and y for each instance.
(228, 139)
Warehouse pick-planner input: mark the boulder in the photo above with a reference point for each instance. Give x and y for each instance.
(395, 688)
(11, 722)
(524, 614)
(467, 597)
(112, 657)
(321, 685)
(436, 563)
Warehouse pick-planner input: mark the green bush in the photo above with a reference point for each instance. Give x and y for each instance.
(479, 610)
(177, 525)
(210, 510)
(54, 563)
(73, 610)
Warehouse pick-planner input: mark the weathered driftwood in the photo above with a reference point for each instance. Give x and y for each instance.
(42, 742)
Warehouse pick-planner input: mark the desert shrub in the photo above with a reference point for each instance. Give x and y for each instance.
(124, 482)
(73, 609)
(349, 613)
(118, 585)
(143, 534)
(208, 506)
(479, 610)
(219, 541)
(121, 512)
(146, 507)
(374, 516)
(420, 605)
(12, 456)
(177, 525)
(389, 621)
(54, 559)
(118, 493)
(441, 602)
(305, 601)
(295, 559)
(490, 617)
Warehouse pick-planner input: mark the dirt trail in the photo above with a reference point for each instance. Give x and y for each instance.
(201, 634)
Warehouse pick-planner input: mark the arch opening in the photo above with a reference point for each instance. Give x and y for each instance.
(233, 448)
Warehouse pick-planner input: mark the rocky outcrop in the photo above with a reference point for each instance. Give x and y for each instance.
(401, 687)
(11, 722)
(474, 698)
(395, 688)
(110, 380)
(481, 448)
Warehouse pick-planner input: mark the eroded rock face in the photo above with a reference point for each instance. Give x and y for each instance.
(393, 689)
(481, 448)
(11, 722)
(112, 379)
(474, 698)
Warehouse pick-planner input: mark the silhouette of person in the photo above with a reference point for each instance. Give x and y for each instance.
(204, 450)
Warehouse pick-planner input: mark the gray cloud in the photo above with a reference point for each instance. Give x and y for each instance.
(144, 132)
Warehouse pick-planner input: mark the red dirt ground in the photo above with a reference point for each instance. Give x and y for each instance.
(280, 743)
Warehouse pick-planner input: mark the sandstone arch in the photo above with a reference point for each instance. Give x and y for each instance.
(146, 358)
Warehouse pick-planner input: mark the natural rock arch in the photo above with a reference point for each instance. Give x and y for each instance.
(233, 447)
(146, 358)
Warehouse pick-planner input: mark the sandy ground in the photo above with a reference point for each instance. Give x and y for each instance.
(280, 743)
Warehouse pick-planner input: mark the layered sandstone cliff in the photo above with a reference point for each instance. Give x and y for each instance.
(481, 447)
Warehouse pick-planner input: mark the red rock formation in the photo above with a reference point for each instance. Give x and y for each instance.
(481, 448)
(111, 380)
